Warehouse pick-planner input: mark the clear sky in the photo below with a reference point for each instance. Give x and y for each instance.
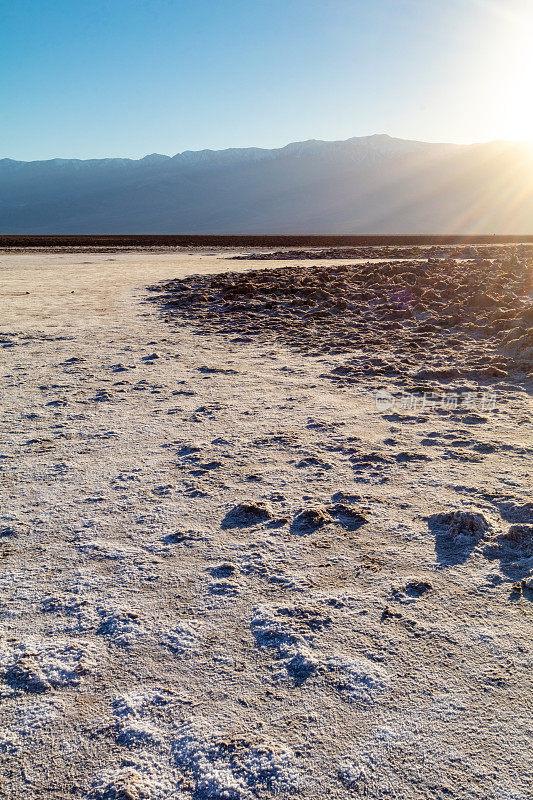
(130, 77)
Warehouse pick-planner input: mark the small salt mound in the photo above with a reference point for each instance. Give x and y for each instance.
(78, 613)
(10, 743)
(12, 526)
(36, 667)
(271, 631)
(139, 779)
(247, 513)
(231, 767)
(139, 734)
(97, 547)
(120, 625)
(461, 525)
(290, 632)
(136, 715)
(411, 590)
(273, 628)
(519, 537)
(360, 680)
(527, 583)
(183, 637)
(37, 715)
(515, 511)
(283, 627)
(139, 704)
(310, 519)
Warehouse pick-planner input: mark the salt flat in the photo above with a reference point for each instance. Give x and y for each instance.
(226, 575)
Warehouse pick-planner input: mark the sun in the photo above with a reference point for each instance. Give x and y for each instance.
(522, 125)
(517, 73)
(520, 109)
(505, 76)
(516, 112)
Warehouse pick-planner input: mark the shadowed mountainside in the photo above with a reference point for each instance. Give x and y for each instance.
(373, 184)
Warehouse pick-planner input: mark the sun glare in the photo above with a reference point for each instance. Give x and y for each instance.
(515, 73)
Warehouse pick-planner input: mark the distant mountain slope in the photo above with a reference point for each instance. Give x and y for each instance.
(374, 184)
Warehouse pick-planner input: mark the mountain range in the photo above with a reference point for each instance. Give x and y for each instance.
(371, 184)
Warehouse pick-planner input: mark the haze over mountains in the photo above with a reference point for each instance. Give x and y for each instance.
(374, 184)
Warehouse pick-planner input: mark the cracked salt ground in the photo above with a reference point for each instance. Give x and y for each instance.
(266, 592)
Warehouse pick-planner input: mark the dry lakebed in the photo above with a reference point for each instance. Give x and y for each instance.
(266, 524)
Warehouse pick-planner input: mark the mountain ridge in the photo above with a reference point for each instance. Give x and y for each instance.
(372, 184)
(291, 146)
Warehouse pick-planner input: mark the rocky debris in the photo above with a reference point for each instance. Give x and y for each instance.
(438, 319)
(247, 513)
(445, 252)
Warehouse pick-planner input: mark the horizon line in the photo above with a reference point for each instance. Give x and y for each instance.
(271, 149)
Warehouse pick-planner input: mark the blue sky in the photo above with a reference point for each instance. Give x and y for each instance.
(131, 77)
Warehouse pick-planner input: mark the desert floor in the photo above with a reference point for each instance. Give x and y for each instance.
(223, 575)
